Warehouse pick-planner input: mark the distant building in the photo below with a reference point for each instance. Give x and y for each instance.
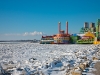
(92, 25)
(60, 38)
(86, 25)
(98, 28)
(87, 28)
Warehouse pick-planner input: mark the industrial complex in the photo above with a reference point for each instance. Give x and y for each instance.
(89, 34)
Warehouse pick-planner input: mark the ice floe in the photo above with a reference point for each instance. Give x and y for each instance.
(47, 59)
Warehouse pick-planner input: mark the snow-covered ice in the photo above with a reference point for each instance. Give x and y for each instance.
(47, 59)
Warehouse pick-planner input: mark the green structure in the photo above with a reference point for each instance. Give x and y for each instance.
(74, 38)
(98, 28)
(89, 32)
(84, 30)
(88, 27)
(88, 38)
(85, 41)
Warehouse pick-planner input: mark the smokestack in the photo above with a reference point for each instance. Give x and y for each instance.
(66, 27)
(59, 27)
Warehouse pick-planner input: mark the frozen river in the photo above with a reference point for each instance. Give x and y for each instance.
(49, 59)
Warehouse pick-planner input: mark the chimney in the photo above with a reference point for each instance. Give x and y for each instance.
(59, 27)
(66, 27)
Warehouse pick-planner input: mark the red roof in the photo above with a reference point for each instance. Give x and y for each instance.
(47, 36)
(62, 35)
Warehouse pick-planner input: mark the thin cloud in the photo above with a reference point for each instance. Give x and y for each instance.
(11, 34)
(32, 33)
(25, 34)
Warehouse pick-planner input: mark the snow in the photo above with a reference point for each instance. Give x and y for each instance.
(47, 59)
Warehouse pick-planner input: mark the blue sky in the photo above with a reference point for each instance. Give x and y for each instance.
(28, 19)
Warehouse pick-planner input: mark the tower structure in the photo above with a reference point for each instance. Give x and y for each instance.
(85, 28)
(66, 27)
(98, 28)
(59, 27)
(92, 27)
(86, 25)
